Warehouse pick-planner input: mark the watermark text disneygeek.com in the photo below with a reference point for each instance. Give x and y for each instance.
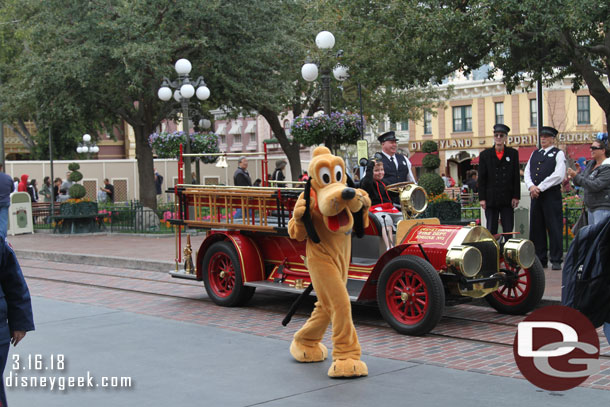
(26, 372)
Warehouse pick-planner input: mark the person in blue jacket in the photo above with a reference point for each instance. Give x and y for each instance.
(15, 307)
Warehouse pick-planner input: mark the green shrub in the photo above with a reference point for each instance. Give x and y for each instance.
(432, 183)
(429, 146)
(431, 162)
(77, 191)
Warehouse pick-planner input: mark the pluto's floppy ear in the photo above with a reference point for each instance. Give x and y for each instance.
(307, 221)
(358, 216)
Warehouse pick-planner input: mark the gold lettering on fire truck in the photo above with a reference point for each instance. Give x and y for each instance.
(433, 235)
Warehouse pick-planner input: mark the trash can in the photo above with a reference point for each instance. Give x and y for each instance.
(20, 214)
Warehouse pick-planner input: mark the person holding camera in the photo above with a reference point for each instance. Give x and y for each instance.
(382, 205)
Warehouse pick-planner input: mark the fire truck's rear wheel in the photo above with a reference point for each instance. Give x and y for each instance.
(410, 295)
(222, 276)
(522, 290)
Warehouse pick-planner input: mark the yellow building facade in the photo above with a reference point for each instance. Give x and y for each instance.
(463, 127)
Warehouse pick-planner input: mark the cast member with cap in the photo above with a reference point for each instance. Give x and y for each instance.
(544, 174)
(499, 186)
(396, 167)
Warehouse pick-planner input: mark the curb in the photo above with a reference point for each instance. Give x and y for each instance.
(95, 260)
(161, 266)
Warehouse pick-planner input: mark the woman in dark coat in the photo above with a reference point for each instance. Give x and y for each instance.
(15, 307)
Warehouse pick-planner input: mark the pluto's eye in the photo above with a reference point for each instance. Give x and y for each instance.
(338, 173)
(324, 175)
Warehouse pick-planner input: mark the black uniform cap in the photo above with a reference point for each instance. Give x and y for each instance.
(501, 128)
(388, 136)
(548, 131)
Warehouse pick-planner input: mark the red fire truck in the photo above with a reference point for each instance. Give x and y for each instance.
(431, 265)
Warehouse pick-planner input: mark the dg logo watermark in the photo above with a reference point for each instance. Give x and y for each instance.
(556, 348)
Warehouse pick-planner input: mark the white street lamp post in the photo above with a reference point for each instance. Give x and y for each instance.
(309, 71)
(183, 90)
(87, 146)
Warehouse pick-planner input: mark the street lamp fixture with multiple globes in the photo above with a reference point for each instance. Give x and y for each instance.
(309, 71)
(87, 146)
(183, 89)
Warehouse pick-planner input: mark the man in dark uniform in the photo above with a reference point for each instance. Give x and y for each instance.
(544, 174)
(397, 167)
(15, 307)
(499, 186)
(241, 177)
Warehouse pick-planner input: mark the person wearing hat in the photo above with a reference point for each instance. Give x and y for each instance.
(396, 167)
(278, 174)
(499, 182)
(544, 174)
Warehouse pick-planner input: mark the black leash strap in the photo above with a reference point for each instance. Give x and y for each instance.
(296, 304)
(307, 221)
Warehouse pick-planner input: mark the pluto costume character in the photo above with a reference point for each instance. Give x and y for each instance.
(330, 208)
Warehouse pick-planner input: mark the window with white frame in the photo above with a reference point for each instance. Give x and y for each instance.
(404, 126)
(584, 112)
(237, 139)
(427, 122)
(462, 118)
(533, 113)
(499, 107)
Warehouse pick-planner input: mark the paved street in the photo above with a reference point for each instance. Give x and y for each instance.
(179, 348)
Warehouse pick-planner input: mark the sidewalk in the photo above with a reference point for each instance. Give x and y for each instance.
(144, 252)
(174, 363)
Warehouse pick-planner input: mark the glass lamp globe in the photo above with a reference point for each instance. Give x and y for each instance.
(205, 123)
(79, 149)
(325, 40)
(183, 66)
(187, 90)
(177, 96)
(340, 72)
(203, 93)
(164, 93)
(85, 149)
(86, 138)
(309, 72)
(95, 149)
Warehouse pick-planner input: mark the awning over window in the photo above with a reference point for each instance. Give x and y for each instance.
(250, 128)
(416, 159)
(222, 129)
(575, 151)
(525, 153)
(235, 128)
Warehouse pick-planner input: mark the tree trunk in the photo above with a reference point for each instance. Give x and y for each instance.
(291, 148)
(146, 178)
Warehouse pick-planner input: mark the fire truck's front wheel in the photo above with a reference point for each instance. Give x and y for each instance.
(410, 295)
(222, 276)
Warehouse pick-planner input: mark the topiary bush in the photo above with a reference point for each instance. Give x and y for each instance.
(429, 146)
(432, 183)
(76, 191)
(431, 162)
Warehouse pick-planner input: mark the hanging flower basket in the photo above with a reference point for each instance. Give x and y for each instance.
(167, 145)
(342, 128)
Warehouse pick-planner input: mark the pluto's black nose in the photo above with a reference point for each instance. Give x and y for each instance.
(348, 193)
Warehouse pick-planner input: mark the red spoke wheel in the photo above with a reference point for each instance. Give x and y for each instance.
(222, 276)
(521, 291)
(410, 295)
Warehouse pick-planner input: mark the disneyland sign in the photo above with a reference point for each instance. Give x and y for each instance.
(449, 144)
